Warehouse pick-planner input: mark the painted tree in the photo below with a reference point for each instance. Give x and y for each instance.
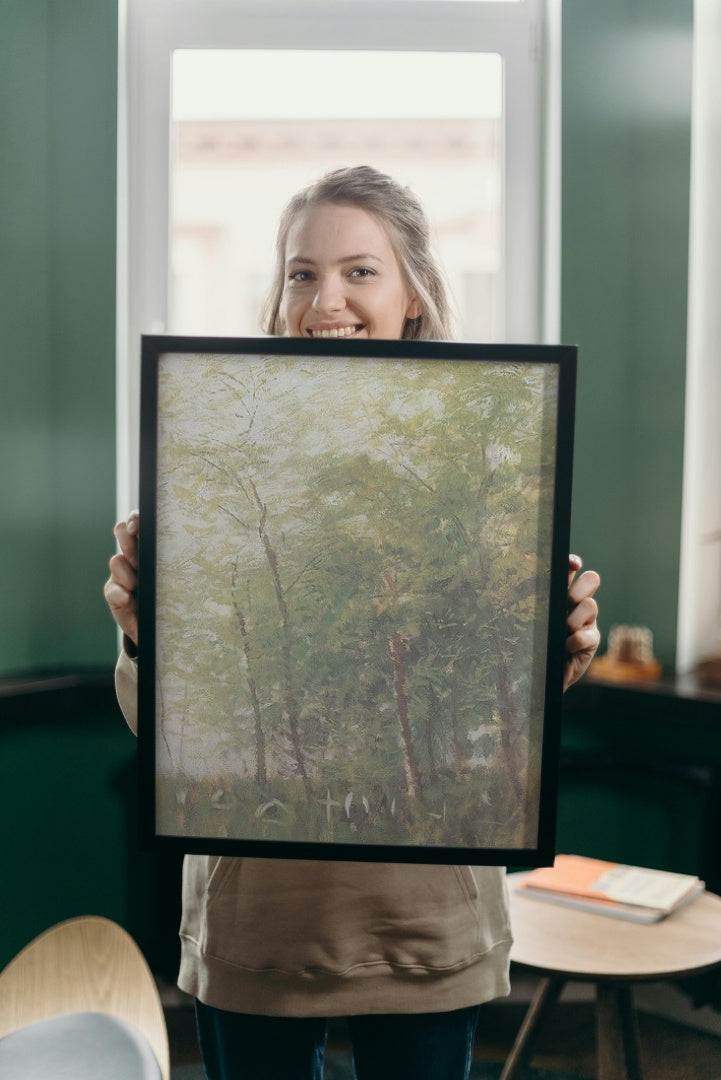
(462, 482)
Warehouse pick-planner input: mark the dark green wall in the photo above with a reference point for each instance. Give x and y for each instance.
(625, 202)
(68, 804)
(58, 72)
(641, 777)
(66, 759)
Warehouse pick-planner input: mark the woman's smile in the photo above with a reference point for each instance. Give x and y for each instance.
(335, 331)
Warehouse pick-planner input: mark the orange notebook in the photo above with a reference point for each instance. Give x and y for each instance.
(631, 892)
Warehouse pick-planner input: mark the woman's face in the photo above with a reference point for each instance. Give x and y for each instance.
(342, 277)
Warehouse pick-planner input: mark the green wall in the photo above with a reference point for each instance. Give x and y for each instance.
(58, 71)
(67, 776)
(625, 200)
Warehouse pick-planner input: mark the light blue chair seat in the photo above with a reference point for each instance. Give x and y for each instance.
(78, 1046)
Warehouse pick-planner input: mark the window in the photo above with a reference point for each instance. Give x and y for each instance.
(235, 160)
(227, 107)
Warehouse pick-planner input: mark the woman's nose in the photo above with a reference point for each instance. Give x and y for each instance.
(329, 296)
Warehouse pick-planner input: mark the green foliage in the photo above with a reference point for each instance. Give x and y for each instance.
(351, 599)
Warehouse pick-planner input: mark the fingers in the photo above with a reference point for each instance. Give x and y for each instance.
(575, 563)
(123, 572)
(582, 587)
(584, 641)
(582, 634)
(123, 607)
(582, 607)
(126, 534)
(582, 613)
(121, 587)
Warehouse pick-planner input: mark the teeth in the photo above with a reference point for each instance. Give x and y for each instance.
(336, 332)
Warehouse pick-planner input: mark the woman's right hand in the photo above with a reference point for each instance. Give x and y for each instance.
(121, 587)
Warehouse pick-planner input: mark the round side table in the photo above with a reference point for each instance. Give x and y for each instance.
(563, 944)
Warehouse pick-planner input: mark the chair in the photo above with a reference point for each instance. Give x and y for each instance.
(79, 1002)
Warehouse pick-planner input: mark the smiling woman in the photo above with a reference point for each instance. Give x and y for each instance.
(314, 942)
(352, 287)
(353, 259)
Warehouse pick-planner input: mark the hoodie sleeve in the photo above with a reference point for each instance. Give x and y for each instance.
(126, 688)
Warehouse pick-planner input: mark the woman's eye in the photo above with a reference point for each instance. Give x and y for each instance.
(300, 276)
(362, 272)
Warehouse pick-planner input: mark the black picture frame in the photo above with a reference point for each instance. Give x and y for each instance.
(353, 568)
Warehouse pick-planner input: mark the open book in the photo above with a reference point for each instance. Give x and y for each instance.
(608, 888)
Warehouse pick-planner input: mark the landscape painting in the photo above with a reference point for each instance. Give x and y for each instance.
(348, 627)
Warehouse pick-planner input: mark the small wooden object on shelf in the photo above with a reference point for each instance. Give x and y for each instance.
(629, 657)
(708, 670)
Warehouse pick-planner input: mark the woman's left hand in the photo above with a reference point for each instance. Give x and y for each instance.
(583, 635)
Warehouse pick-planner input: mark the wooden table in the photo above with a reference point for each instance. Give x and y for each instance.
(562, 944)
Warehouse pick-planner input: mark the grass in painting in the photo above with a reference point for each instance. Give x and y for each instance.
(225, 807)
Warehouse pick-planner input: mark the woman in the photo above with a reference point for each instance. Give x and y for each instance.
(271, 948)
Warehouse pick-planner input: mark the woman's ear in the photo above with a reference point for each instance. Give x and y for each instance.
(415, 309)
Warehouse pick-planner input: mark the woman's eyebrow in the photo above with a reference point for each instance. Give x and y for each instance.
(361, 257)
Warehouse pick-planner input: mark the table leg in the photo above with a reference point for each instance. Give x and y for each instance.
(545, 997)
(617, 1033)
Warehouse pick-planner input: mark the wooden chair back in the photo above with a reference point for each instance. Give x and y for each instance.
(87, 964)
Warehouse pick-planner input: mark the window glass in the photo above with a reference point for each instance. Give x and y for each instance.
(251, 127)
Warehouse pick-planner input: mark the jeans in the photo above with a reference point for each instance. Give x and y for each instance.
(415, 1046)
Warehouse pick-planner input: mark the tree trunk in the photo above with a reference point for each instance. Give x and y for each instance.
(398, 655)
(459, 760)
(433, 715)
(261, 774)
(290, 703)
(507, 712)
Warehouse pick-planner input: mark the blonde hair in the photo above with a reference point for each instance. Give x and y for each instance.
(403, 217)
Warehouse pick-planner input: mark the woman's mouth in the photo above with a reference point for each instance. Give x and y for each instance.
(335, 331)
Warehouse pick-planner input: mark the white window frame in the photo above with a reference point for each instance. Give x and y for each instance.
(699, 597)
(526, 34)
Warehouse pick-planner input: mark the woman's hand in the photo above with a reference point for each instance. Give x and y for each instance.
(121, 587)
(583, 635)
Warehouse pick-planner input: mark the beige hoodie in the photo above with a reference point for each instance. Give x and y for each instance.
(286, 937)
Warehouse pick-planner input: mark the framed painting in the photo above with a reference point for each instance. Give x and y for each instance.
(352, 597)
